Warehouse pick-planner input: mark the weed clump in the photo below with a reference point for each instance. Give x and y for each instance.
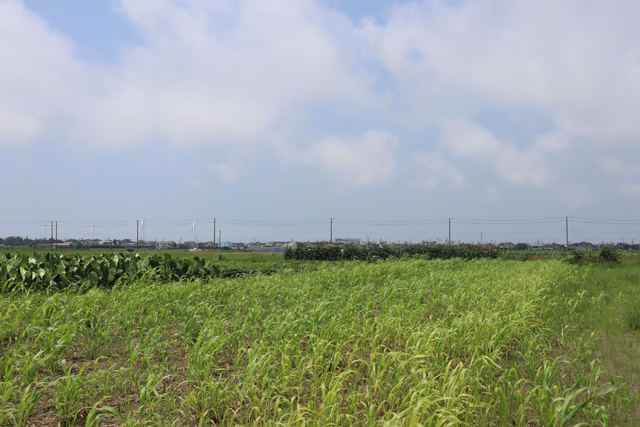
(608, 254)
(576, 257)
(632, 319)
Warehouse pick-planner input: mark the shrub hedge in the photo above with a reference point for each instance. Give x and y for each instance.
(368, 253)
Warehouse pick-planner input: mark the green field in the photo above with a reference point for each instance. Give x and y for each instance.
(396, 342)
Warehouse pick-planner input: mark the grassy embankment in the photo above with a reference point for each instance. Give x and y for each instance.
(487, 342)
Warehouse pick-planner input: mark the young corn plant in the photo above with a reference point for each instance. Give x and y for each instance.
(70, 391)
(397, 342)
(31, 396)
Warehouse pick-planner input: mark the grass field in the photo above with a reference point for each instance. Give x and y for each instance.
(398, 343)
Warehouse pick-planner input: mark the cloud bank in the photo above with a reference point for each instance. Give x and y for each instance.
(250, 73)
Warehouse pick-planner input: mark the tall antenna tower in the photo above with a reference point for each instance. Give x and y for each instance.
(44, 230)
(193, 228)
(93, 235)
(143, 236)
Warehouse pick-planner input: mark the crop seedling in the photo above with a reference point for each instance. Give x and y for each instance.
(406, 340)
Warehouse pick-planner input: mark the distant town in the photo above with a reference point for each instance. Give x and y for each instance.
(142, 244)
(279, 246)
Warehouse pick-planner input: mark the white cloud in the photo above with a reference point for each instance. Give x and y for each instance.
(239, 72)
(17, 128)
(247, 72)
(223, 72)
(577, 61)
(628, 175)
(38, 75)
(555, 141)
(195, 182)
(512, 165)
(26, 165)
(436, 171)
(523, 168)
(229, 171)
(365, 161)
(619, 167)
(630, 189)
(466, 139)
(492, 194)
(576, 196)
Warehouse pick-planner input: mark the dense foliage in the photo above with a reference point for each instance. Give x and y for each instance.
(23, 241)
(368, 253)
(55, 272)
(608, 254)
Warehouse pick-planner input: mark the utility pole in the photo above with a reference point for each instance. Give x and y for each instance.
(331, 231)
(214, 233)
(567, 228)
(449, 231)
(56, 236)
(51, 235)
(219, 237)
(137, 238)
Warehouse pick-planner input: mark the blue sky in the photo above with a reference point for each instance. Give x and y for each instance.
(265, 110)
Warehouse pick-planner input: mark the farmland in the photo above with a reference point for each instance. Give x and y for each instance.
(484, 342)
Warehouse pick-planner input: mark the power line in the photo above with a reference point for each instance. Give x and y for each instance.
(607, 221)
(507, 222)
(420, 228)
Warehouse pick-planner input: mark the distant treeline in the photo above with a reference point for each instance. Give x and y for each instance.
(24, 241)
(354, 253)
(17, 241)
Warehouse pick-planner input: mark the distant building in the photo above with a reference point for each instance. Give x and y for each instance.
(165, 245)
(342, 242)
(349, 240)
(67, 245)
